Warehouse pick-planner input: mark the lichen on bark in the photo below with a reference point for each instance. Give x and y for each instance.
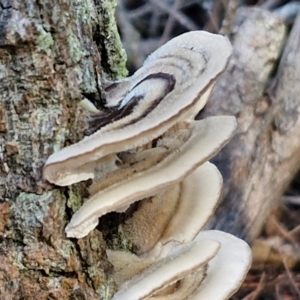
(115, 53)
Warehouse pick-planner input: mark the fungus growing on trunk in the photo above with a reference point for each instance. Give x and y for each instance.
(148, 145)
(223, 259)
(173, 85)
(206, 139)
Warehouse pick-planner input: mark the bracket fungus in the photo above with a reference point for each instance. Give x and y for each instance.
(223, 259)
(173, 85)
(146, 147)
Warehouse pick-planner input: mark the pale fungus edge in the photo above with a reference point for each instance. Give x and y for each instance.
(207, 138)
(61, 166)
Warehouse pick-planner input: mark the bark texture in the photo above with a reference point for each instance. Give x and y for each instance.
(50, 53)
(263, 157)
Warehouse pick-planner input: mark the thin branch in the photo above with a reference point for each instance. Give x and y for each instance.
(260, 286)
(170, 24)
(179, 16)
(294, 200)
(290, 276)
(212, 24)
(232, 7)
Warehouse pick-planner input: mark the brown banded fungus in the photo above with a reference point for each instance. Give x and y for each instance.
(173, 85)
(147, 146)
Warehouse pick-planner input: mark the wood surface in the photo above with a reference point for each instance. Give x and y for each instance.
(261, 88)
(53, 52)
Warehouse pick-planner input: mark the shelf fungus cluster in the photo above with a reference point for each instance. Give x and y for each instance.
(148, 147)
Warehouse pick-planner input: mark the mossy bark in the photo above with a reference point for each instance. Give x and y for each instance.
(51, 52)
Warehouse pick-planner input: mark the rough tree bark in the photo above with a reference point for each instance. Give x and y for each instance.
(51, 54)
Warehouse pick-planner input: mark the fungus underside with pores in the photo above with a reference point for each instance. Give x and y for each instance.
(149, 147)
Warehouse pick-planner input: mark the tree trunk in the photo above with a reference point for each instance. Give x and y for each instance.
(50, 53)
